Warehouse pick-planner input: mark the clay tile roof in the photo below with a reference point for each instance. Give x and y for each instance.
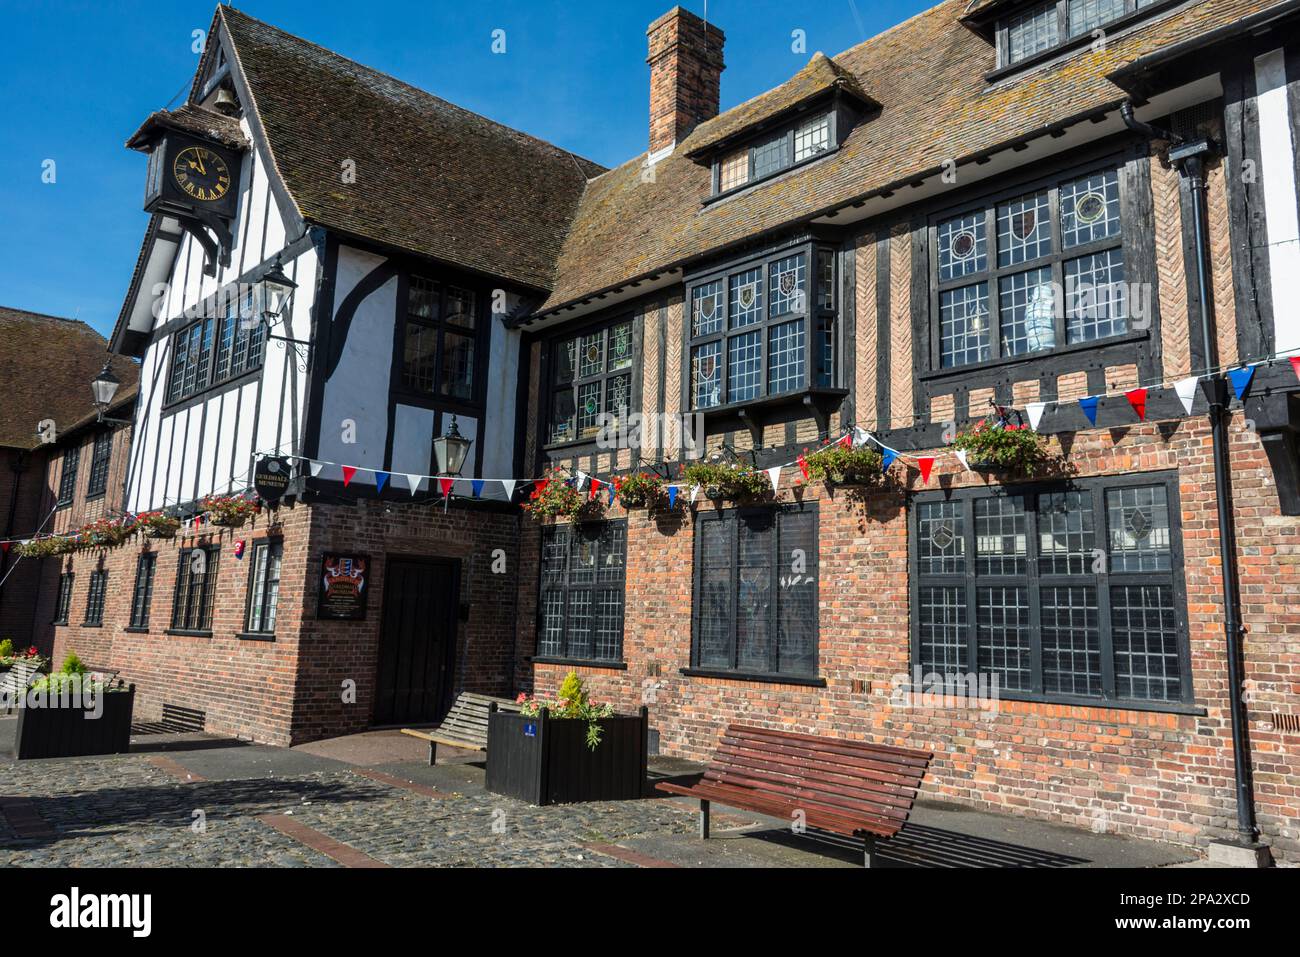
(191, 119)
(928, 74)
(431, 178)
(820, 76)
(46, 365)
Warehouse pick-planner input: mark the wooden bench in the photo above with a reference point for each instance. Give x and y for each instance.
(846, 787)
(465, 726)
(14, 682)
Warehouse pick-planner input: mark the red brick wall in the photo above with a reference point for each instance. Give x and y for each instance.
(1153, 775)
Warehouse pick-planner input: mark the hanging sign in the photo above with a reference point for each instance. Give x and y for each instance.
(271, 478)
(344, 587)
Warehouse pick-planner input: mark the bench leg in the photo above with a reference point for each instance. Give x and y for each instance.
(869, 851)
(433, 753)
(704, 820)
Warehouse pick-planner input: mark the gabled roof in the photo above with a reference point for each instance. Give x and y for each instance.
(431, 178)
(46, 366)
(820, 76)
(927, 73)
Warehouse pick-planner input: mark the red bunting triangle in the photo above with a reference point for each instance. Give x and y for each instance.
(1138, 399)
(4, 547)
(445, 484)
(591, 492)
(847, 441)
(803, 465)
(1295, 365)
(925, 463)
(348, 472)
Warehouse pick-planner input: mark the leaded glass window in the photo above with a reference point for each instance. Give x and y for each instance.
(1046, 607)
(812, 137)
(196, 583)
(591, 381)
(100, 456)
(68, 476)
(440, 341)
(774, 152)
(1046, 26)
(1053, 258)
(581, 600)
(95, 597)
(264, 586)
(216, 349)
(142, 593)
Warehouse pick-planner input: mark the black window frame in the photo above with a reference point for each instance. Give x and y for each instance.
(63, 602)
(1034, 580)
(1133, 13)
(193, 614)
(563, 585)
(820, 325)
(270, 598)
(95, 596)
(734, 518)
(68, 476)
(237, 348)
(101, 457)
(1126, 241)
(555, 388)
(146, 566)
(441, 327)
(786, 131)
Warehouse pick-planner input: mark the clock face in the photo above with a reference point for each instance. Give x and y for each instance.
(201, 173)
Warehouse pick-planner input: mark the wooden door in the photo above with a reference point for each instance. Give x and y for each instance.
(417, 643)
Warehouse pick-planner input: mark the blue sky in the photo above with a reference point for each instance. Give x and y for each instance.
(76, 79)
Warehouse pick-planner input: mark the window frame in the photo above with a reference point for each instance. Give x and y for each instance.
(146, 567)
(67, 491)
(101, 457)
(96, 594)
(441, 326)
(252, 346)
(554, 388)
(1133, 14)
(732, 517)
(567, 586)
(1125, 240)
(818, 321)
(1033, 580)
(787, 129)
(183, 622)
(274, 546)
(63, 600)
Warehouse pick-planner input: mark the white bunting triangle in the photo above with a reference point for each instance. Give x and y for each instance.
(774, 475)
(961, 457)
(582, 479)
(1186, 390)
(860, 436)
(1035, 410)
(315, 468)
(695, 492)
(509, 486)
(414, 482)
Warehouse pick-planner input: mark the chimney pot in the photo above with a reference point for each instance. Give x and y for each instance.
(685, 76)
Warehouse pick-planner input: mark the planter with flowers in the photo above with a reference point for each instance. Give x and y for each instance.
(104, 533)
(227, 511)
(567, 749)
(73, 713)
(10, 656)
(727, 480)
(1002, 448)
(837, 465)
(639, 490)
(554, 497)
(158, 524)
(51, 546)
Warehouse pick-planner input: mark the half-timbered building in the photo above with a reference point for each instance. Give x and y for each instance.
(889, 246)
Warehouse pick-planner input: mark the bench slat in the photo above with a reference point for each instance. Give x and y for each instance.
(883, 776)
(916, 759)
(828, 820)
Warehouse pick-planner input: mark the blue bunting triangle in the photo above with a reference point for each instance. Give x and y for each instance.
(381, 479)
(672, 496)
(887, 457)
(1089, 406)
(477, 486)
(611, 493)
(1241, 380)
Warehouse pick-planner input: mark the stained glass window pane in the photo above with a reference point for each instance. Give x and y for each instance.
(1096, 296)
(618, 396)
(964, 325)
(1144, 633)
(785, 357)
(620, 346)
(1071, 640)
(1027, 303)
(1090, 209)
(1087, 15)
(963, 247)
(746, 298)
(706, 309)
(744, 366)
(1032, 32)
(1140, 537)
(812, 137)
(1024, 229)
(591, 354)
(941, 538)
(706, 375)
(588, 408)
(788, 285)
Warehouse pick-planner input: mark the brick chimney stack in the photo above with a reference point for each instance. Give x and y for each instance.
(685, 76)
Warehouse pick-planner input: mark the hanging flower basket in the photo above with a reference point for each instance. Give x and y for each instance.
(725, 480)
(837, 465)
(553, 497)
(1002, 448)
(158, 524)
(104, 533)
(227, 511)
(639, 490)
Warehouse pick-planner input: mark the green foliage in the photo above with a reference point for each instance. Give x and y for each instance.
(728, 480)
(572, 691)
(639, 490)
(72, 665)
(852, 466)
(554, 497)
(1009, 448)
(7, 648)
(571, 703)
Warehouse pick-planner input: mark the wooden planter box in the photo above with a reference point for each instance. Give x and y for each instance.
(67, 732)
(545, 760)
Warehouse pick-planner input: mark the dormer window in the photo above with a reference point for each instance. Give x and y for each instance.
(1041, 29)
(773, 153)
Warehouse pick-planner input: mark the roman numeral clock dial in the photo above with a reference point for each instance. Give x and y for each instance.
(201, 174)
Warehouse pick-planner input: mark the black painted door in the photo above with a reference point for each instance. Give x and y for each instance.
(417, 646)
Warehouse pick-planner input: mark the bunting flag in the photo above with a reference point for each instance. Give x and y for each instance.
(1138, 399)
(887, 457)
(612, 490)
(1089, 406)
(672, 496)
(1035, 410)
(315, 468)
(695, 493)
(1186, 390)
(774, 476)
(540, 485)
(509, 486)
(348, 472)
(413, 482)
(860, 437)
(594, 490)
(445, 485)
(847, 440)
(476, 485)
(1241, 380)
(381, 479)
(961, 457)
(803, 464)
(925, 463)
(579, 480)
(1295, 366)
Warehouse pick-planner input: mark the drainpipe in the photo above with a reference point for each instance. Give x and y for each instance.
(1189, 157)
